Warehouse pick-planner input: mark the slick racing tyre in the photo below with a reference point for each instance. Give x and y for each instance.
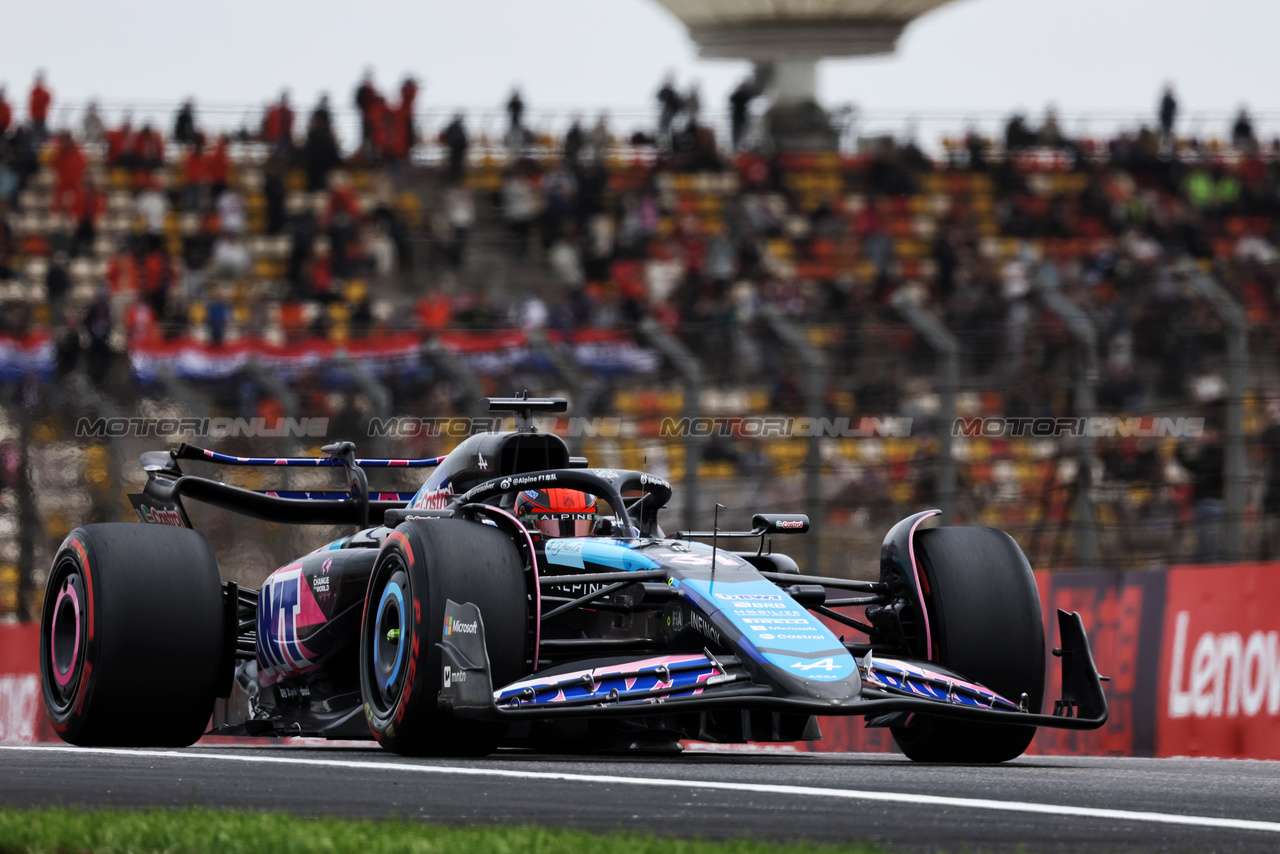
(420, 566)
(132, 636)
(984, 613)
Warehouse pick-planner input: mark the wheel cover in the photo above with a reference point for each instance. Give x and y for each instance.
(66, 637)
(389, 631)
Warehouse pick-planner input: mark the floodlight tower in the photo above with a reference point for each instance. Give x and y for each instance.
(786, 38)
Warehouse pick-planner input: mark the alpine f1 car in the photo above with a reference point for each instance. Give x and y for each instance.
(521, 597)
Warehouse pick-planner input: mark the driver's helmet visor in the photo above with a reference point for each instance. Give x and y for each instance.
(553, 525)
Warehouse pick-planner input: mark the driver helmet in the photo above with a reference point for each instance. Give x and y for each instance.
(557, 512)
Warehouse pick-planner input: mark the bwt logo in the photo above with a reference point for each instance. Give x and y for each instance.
(1227, 674)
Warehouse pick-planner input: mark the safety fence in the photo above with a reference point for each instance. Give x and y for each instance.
(1192, 652)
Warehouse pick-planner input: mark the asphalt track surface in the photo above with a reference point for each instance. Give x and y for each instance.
(1048, 804)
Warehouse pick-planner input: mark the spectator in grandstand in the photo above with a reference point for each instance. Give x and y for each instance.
(454, 138)
(120, 144)
(515, 116)
(153, 207)
(277, 125)
(231, 214)
(574, 140)
(320, 151)
(1017, 135)
(341, 222)
(1168, 112)
(184, 124)
(57, 283)
(1204, 461)
(599, 140)
(231, 258)
(6, 113)
(195, 179)
(520, 207)
(148, 149)
(365, 97)
(692, 104)
(97, 322)
(669, 104)
(92, 129)
(88, 204)
(217, 165)
(69, 165)
(408, 103)
(38, 109)
(739, 105)
(1242, 131)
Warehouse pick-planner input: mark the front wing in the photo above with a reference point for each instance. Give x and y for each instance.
(669, 684)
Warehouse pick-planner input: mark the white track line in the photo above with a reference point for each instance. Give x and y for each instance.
(1061, 810)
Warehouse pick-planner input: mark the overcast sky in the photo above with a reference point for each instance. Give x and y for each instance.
(972, 58)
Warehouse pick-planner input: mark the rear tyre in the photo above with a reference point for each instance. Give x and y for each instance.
(132, 636)
(420, 566)
(985, 621)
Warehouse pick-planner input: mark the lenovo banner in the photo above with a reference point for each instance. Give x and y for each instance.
(1219, 689)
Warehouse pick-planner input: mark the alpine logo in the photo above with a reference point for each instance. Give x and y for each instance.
(827, 664)
(452, 626)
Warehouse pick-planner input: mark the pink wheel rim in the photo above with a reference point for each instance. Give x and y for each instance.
(62, 677)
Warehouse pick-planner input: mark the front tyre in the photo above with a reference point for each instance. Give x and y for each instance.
(132, 636)
(984, 612)
(420, 566)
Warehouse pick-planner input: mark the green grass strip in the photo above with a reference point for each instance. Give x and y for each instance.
(59, 830)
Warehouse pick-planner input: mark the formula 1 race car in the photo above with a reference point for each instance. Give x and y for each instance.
(522, 598)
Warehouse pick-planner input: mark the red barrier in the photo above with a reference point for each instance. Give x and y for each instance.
(1219, 685)
(22, 716)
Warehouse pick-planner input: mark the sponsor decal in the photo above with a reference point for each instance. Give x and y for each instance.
(279, 609)
(751, 597)
(607, 474)
(452, 626)
(650, 480)
(789, 524)
(827, 664)
(1219, 688)
(432, 499)
(703, 625)
(451, 676)
(160, 516)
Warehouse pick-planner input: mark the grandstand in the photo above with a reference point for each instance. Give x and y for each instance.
(267, 275)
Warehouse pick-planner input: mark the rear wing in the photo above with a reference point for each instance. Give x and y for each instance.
(160, 501)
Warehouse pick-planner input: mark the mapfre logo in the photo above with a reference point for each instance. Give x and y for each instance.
(1223, 674)
(160, 516)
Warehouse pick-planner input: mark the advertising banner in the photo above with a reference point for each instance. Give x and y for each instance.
(1219, 686)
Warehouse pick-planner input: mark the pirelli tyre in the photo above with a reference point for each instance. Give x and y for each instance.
(985, 622)
(132, 636)
(420, 566)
